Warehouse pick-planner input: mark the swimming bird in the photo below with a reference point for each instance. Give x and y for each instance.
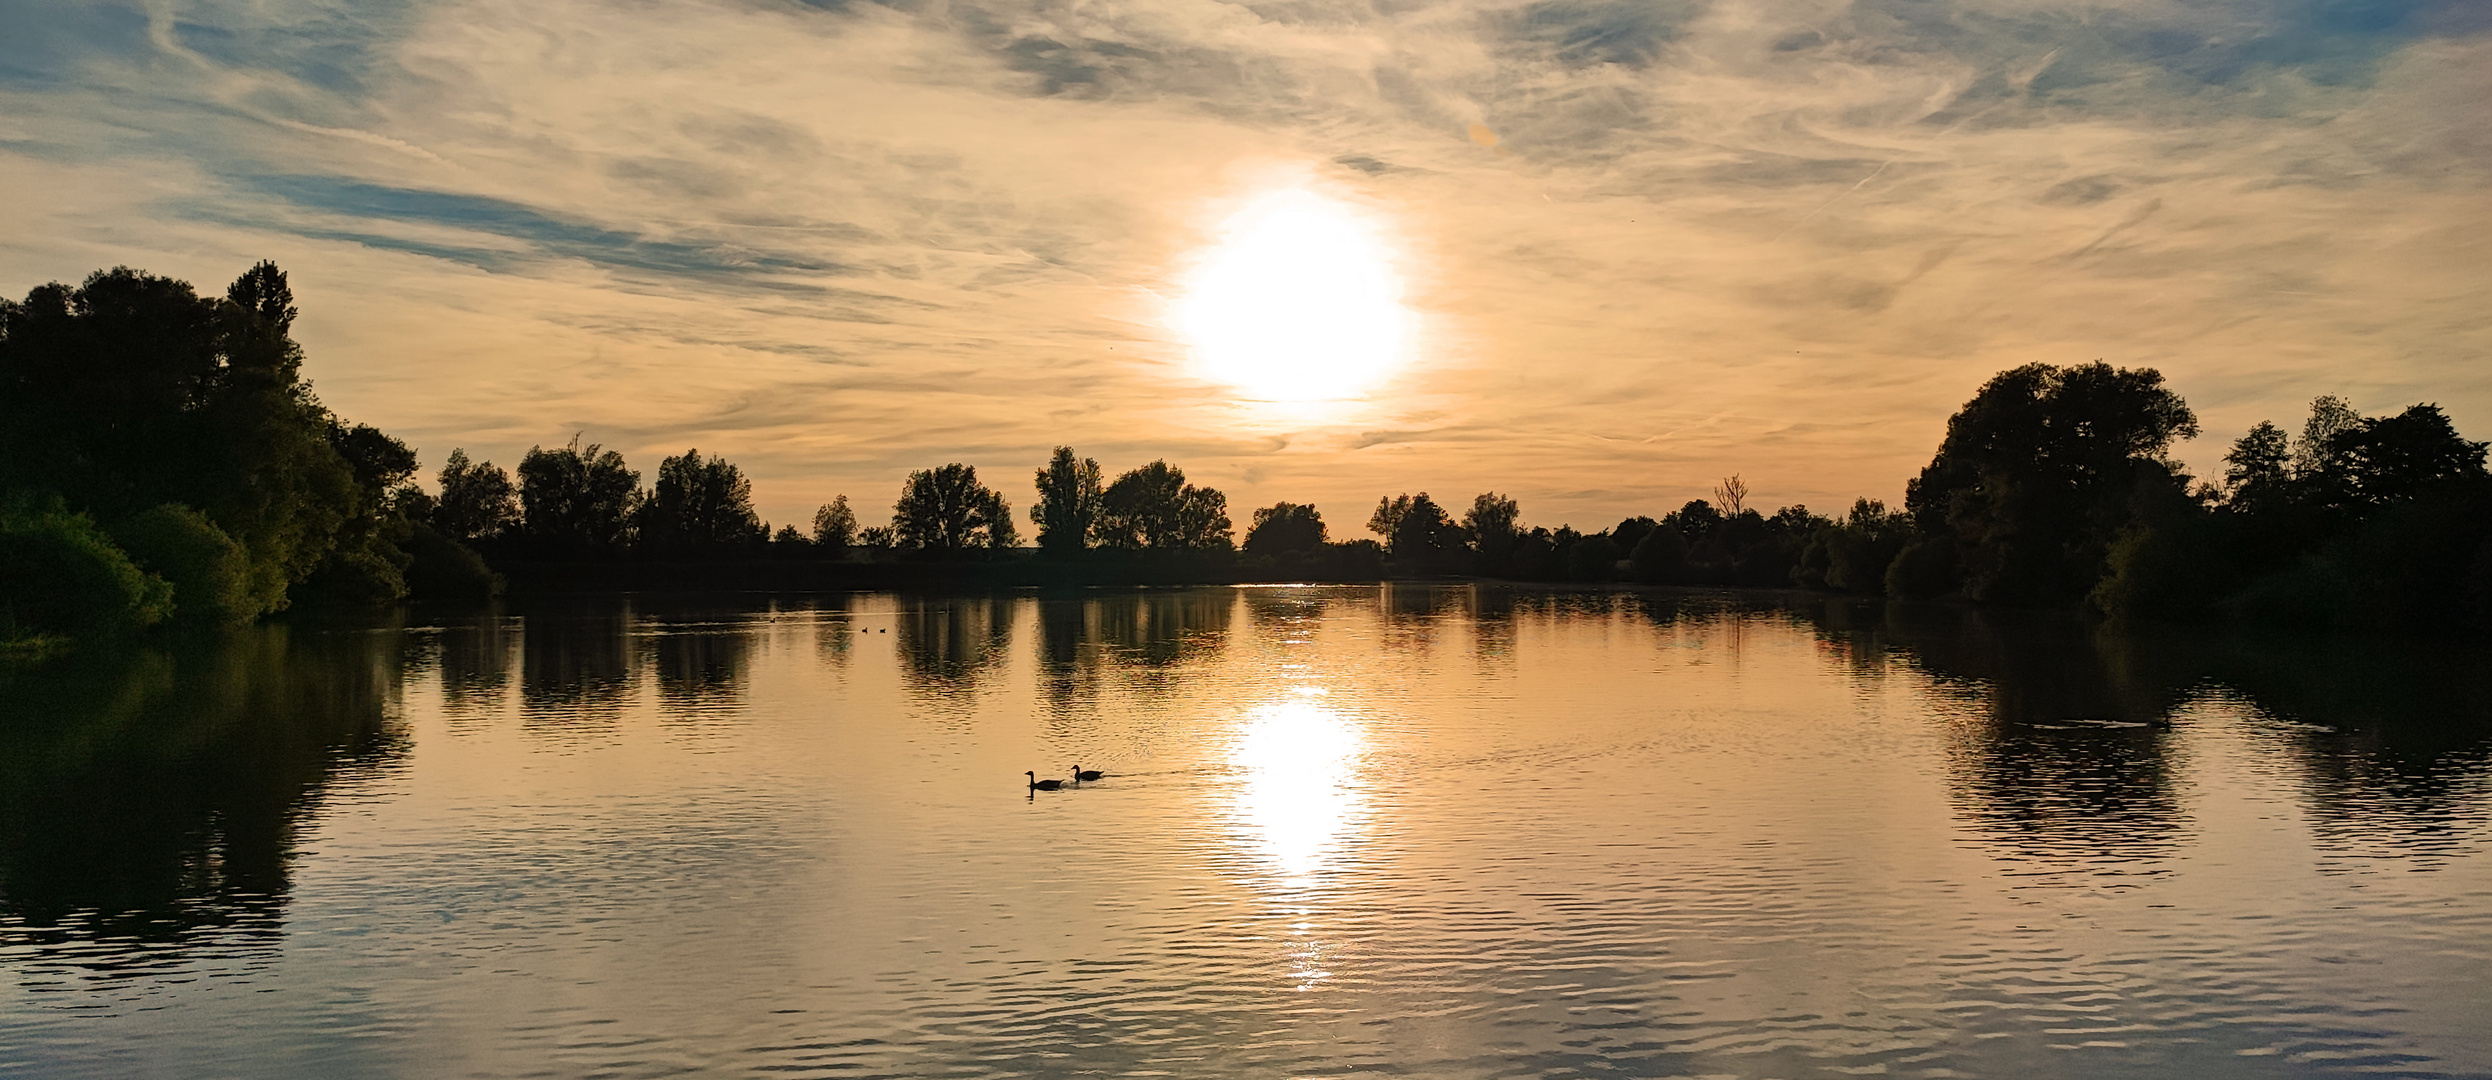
(1080, 773)
(1037, 784)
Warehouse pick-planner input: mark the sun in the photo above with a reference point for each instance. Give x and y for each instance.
(1299, 303)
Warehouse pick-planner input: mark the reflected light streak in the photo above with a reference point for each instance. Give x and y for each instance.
(1300, 797)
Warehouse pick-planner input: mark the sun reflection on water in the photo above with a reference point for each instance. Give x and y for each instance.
(1299, 802)
(1300, 797)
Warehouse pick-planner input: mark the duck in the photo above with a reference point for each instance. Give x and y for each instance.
(1080, 773)
(1037, 784)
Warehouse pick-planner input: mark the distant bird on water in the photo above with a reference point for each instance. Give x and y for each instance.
(1080, 773)
(1037, 784)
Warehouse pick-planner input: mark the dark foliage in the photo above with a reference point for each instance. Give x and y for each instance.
(1286, 528)
(947, 511)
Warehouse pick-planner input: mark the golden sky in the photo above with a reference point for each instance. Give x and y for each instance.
(1640, 244)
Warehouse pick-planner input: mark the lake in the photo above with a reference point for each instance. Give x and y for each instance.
(1431, 831)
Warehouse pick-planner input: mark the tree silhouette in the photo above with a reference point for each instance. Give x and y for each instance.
(946, 510)
(698, 503)
(1494, 524)
(1069, 499)
(1285, 527)
(835, 526)
(1154, 507)
(576, 500)
(1731, 496)
(132, 391)
(2034, 477)
(478, 501)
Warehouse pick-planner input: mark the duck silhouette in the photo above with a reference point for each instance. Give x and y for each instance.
(1037, 784)
(1080, 773)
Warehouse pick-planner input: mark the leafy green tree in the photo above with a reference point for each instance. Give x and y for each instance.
(478, 501)
(1284, 527)
(131, 391)
(835, 526)
(1154, 507)
(947, 510)
(576, 500)
(1069, 501)
(696, 504)
(209, 571)
(60, 575)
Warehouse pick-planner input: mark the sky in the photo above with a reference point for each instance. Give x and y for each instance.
(1628, 247)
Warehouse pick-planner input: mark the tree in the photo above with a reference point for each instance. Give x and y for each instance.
(1694, 520)
(2032, 481)
(1659, 555)
(576, 500)
(478, 501)
(947, 510)
(835, 526)
(1154, 507)
(1284, 527)
(1419, 531)
(1069, 499)
(698, 503)
(1731, 496)
(1494, 525)
(2258, 470)
(2405, 457)
(132, 391)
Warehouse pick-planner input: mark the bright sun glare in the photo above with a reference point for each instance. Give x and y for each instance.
(1300, 303)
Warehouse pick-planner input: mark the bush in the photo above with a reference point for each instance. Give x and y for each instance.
(209, 572)
(59, 574)
(1924, 569)
(445, 569)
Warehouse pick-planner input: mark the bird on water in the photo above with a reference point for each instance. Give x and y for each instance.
(1080, 773)
(1037, 784)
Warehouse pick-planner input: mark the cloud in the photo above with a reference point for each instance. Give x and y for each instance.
(836, 241)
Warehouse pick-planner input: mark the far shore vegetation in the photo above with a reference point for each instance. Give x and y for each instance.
(163, 462)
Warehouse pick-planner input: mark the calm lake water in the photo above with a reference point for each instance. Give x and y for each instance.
(1420, 831)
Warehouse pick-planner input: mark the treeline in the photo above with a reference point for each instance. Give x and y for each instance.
(161, 457)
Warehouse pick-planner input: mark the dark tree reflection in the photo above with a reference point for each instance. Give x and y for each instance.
(2066, 743)
(2392, 737)
(701, 665)
(576, 667)
(1068, 667)
(476, 659)
(1164, 629)
(154, 797)
(949, 644)
(2062, 754)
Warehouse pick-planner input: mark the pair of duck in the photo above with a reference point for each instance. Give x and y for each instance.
(1079, 774)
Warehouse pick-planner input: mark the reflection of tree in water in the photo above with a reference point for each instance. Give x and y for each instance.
(700, 666)
(2392, 736)
(154, 797)
(2063, 755)
(1068, 669)
(576, 668)
(476, 665)
(1153, 630)
(947, 644)
(834, 636)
